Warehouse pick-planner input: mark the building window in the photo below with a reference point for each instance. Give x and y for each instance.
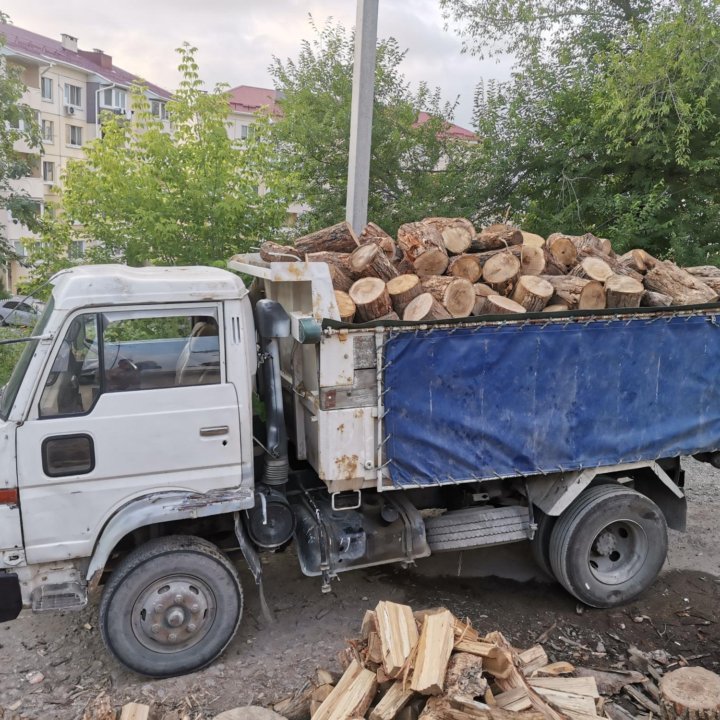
(20, 249)
(74, 135)
(48, 169)
(48, 131)
(46, 88)
(73, 95)
(158, 109)
(244, 132)
(114, 98)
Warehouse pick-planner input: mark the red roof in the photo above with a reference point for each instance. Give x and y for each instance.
(30, 43)
(246, 98)
(452, 130)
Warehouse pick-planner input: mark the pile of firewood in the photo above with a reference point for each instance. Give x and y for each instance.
(429, 665)
(443, 268)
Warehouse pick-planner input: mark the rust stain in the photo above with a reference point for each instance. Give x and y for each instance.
(341, 427)
(347, 466)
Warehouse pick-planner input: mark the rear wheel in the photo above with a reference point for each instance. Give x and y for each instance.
(540, 544)
(609, 545)
(171, 606)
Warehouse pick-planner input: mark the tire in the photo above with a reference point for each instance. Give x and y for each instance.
(609, 545)
(171, 606)
(540, 544)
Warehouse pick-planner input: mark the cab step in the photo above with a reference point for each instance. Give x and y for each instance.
(477, 527)
(59, 596)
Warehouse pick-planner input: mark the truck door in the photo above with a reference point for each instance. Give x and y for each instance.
(134, 401)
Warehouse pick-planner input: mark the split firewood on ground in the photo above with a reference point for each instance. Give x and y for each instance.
(430, 665)
(441, 268)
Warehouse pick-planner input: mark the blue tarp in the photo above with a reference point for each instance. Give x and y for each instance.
(519, 399)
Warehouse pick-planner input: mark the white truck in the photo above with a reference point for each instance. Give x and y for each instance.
(132, 461)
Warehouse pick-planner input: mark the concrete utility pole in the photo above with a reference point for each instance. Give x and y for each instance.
(363, 93)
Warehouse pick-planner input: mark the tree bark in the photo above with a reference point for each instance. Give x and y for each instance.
(465, 266)
(423, 246)
(346, 306)
(498, 305)
(533, 293)
(556, 307)
(704, 271)
(336, 238)
(623, 291)
(482, 292)
(501, 272)
(567, 288)
(371, 299)
(369, 260)
(403, 289)
(457, 233)
(690, 693)
(274, 252)
(655, 299)
(457, 295)
(425, 307)
(373, 233)
(496, 237)
(683, 288)
(588, 240)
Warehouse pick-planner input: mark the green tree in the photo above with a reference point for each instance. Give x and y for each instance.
(188, 196)
(413, 166)
(623, 143)
(18, 128)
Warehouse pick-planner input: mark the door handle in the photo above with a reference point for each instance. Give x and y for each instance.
(214, 431)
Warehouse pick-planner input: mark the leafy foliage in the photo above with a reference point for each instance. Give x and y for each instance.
(413, 166)
(20, 127)
(188, 196)
(9, 354)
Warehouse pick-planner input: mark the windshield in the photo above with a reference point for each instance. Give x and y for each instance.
(10, 391)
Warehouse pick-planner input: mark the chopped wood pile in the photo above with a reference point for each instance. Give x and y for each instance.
(429, 665)
(441, 268)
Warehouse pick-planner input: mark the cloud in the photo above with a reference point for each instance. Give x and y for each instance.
(236, 39)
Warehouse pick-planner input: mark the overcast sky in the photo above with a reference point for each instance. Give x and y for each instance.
(236, 39)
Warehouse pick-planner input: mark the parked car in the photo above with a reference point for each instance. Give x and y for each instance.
(18, 312)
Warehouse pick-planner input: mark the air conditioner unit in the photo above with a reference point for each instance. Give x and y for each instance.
(70, 109)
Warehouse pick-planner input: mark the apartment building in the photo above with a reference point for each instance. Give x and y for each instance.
(69, 89)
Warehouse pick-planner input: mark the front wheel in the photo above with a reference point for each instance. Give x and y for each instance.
(171, 606)
(609, 545)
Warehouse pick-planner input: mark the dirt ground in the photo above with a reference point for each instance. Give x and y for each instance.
(265, 662)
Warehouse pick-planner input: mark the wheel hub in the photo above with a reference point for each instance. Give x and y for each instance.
(173, 614)
(618, 552)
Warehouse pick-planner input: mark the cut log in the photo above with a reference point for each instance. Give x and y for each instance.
(610, 682)
(593, 296)
(593, 268)
(425, 307)
(317, 697)
(533, 293)
(635, 259)
(403, 289)
(514, 700)
(532, 260)
(623, 291)
(655, 299)
(499, 305)
(455, 294)
(567, 288)
(423, 246)
(556, 307)
(373, 233)
(339, 280)
(135, 711)
(274, 252)
(299, 705)
(482, 292)
(396, 625)
(392, 315)
(556, 668)
(552, 266)
(351, 697)
(712, 282)
(585, 686)
(371, 299)
(405, 267)
(501, 272)
(457, 233)
(615, 265)
(683, 288)
(532, 659)
(346, 306)
(433, 653)
(467, 266)
(369, 624)
(532, 240)
(336, 259)
(588, 240)
(496, 237)
(369, 260)
(374, 648)
(562, 249)
(392, 702)
(704, 271)
(336, 238)
(464, 675)
(690, 693)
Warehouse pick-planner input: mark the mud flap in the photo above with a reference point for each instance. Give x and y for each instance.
(10, 597)
(253, 562)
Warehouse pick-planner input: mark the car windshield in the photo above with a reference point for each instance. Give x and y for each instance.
(10, 391)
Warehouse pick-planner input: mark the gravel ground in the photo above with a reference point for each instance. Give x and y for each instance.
(497, 589)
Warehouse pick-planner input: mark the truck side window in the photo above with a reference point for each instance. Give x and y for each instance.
(145, 353)
(73, 383)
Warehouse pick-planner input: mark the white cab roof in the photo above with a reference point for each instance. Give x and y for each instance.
(92, 285)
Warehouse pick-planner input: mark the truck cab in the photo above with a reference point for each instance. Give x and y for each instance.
(133, 463)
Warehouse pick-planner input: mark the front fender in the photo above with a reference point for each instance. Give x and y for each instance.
(162, 507)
